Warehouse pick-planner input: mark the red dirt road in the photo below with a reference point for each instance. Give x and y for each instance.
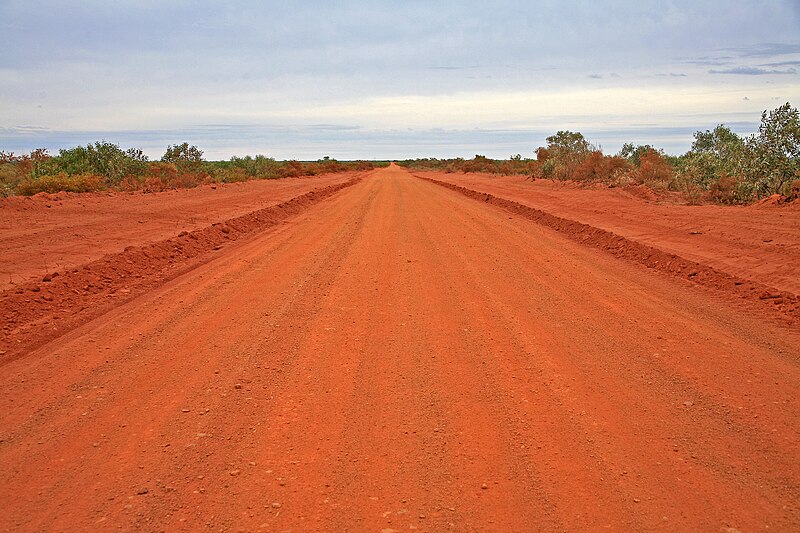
(761, 243)
(402, 356)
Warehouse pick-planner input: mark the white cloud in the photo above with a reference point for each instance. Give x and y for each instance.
(113, 66)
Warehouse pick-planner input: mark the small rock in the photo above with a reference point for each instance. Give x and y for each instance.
(688, 403)
(185, 410)
(237, 386)
(235, 472)
(276, 505)
(47, 278)
(636, 500)
(484, 486)
(143, 490)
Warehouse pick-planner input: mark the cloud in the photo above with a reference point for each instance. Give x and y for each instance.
(782, 64)
(452, 67)
(282, 142)
(752, 71)
(767, 49)
(706, 61)
(148, 65)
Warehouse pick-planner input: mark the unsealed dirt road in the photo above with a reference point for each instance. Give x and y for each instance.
(401, 356)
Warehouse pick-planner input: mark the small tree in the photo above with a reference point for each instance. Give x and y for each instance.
(774, 154)
(633, 153)
(725, 151)
(565, 151)
(186, 158)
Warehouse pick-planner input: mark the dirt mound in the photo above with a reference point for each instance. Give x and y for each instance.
(618, 246)
(38, 311)
(777, 200)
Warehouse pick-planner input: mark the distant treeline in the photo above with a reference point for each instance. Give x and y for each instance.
(106, 166)
(720, 167)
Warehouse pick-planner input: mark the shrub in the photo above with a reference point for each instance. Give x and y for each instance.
(565, 151)
(292, 169)
(729, 190)
(186, 158)
(102, 159)
(232, 175)
(163, 173)
(61, 182)
(598, 167)
(774, 154)
(260, 166)
(10, 177)
(654, 170)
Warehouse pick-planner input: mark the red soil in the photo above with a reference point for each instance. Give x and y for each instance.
(40, 310)
(651, 256)
(52, 232)
(399, 355)
(759, 242)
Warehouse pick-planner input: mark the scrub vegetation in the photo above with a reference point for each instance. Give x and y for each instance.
(721, 167)
(107, 166)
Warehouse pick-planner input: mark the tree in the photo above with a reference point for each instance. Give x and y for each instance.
(724, 150)
(186, 158)
(775, 152)
(565, 151)
(633, 153)
(569, 142)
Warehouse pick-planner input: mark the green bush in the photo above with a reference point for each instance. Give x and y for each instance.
(102, 159)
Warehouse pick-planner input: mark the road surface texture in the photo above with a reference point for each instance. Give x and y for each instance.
(759, 242)
(47, 232)
(401, 356)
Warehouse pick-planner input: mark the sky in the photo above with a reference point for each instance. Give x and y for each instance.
(389, 79)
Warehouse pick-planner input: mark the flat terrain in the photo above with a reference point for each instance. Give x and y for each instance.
(756, 242)
(48, 232)
(398, 355)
